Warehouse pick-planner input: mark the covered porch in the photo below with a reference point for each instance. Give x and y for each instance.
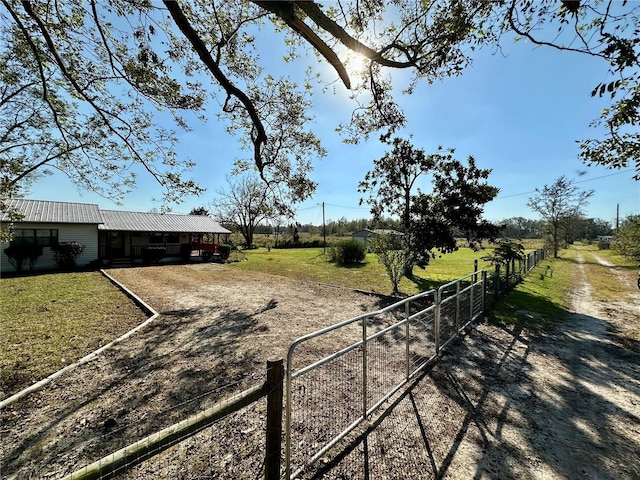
(134, 237)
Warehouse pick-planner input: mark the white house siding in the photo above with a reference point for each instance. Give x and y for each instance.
(81, 233)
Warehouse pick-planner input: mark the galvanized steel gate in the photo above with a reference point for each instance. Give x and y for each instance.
(330, 391)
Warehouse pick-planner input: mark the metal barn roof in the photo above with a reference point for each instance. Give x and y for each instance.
(41, 211)
(115, 220)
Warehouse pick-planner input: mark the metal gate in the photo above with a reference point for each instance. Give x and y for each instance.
(338, 376)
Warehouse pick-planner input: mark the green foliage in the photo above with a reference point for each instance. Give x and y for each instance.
(56, 94)
(560, 205)
(289, 243)
(199, 211)
(505, 251)
(627, 242)
(90, 79)
(394, 256)
(82, 81)
(348, 252)
(65, 254)
(224, 251)
(18, 254)
(430, 221)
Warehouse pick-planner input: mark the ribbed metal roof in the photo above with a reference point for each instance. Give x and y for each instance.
(41, 211)
(115, 220)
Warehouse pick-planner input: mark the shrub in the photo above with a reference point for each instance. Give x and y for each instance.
(153, 254)
(392, 253)
(347, 252)
(288, 243)
(18, 254)
(604, 244)
(65, 254)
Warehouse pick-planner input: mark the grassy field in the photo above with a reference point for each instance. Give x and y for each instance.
(312, 264)
(541, 299)
(51, 320)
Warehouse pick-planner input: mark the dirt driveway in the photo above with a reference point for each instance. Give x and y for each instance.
(500, 404)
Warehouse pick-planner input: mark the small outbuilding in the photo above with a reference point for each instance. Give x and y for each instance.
(366, 235)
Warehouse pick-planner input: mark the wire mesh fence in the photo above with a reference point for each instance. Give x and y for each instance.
(334, 394)
(232, 437)
(506, 277)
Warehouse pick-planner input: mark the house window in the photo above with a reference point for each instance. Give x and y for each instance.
(44, 237)
(173, 238)
(156, 238)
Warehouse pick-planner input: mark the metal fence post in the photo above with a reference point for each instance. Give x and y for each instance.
(457, 320)
(473, 286)
(436, 323)
(484, 288)
(273, 449)
(364, 368)
(407, 312)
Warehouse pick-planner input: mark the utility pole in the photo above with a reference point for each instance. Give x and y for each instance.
(324, 232)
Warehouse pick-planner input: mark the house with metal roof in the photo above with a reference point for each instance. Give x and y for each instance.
(110, 237)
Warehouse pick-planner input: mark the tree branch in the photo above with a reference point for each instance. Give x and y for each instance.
(182, 22)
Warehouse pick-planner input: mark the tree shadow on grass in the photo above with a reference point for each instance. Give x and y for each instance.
(425, 284)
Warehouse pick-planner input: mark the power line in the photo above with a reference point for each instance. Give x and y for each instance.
(581, 181)
(344, 206)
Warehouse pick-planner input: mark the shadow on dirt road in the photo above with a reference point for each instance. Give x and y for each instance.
(499, 405)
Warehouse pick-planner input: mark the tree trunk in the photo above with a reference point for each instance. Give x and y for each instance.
(408, 270)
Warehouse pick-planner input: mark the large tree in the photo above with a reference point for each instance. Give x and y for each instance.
(107, 65)
(430, 220)
(627, 241)
(243, 204)
(559, 205)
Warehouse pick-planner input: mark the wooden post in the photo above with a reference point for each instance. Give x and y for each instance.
(275, 382)
(507, 285)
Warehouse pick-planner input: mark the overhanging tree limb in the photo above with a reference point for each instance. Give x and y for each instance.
(182, 22)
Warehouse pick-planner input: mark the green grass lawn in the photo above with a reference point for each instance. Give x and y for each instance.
(540, 301)
(312, 264)
(51, 320)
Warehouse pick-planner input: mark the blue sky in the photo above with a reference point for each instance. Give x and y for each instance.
(518, 112)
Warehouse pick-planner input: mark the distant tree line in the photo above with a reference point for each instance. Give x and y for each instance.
(513, 227)
(579, 229)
